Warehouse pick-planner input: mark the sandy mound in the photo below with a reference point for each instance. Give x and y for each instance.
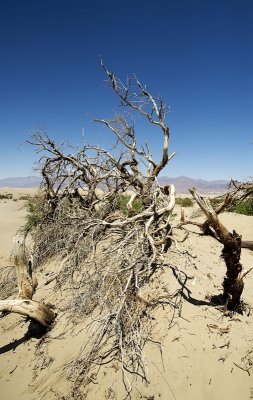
(196, 352)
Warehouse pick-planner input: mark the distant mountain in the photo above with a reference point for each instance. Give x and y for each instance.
(182, 183)
(21, 182)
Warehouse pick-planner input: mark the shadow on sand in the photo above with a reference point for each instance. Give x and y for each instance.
(35, 331)
(182, 278)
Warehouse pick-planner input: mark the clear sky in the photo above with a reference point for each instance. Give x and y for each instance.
(196, 54)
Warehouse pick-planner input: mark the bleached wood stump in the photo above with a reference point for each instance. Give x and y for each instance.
(24, 305)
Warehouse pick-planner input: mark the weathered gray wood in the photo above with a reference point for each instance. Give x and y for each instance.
(24, 305)
(30, 308)
(25, 286)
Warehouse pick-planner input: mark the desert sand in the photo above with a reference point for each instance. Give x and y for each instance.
(201, 354)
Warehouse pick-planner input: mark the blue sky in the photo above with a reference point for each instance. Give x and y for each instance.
(198, 55)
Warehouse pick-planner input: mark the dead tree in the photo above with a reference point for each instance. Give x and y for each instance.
(26, 285)
(64, 173)
(136, 97)
(242, 189)
(110, 252)
(233, 282)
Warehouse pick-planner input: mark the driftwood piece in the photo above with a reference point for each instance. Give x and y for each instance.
(30, 308)
(233, 281)
(24, 305)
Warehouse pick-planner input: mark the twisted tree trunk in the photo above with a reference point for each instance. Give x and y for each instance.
(233, 281)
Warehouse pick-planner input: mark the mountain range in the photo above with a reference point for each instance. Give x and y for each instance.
(182, 183)
(21, 182)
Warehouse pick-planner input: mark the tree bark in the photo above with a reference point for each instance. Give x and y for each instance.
(233, 281)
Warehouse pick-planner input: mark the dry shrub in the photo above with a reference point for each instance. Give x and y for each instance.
(112, 243)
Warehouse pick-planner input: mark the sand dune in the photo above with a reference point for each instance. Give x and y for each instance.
(203, 354)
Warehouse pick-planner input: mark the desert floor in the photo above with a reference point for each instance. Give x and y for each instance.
(201, 354)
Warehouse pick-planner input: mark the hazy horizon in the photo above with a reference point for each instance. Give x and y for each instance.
(159, 177)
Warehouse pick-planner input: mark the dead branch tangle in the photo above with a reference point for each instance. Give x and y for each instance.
(111, 250)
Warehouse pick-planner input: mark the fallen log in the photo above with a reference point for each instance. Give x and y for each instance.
(30, 308)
